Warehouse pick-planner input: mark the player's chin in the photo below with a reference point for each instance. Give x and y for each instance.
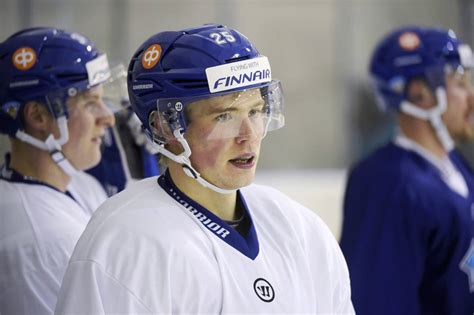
(90, 161)
(242, 181)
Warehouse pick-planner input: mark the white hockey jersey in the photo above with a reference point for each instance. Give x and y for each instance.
(39, 227)
(151, 250)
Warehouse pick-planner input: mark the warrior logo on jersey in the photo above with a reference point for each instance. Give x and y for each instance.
(264, 290)
(467, 265)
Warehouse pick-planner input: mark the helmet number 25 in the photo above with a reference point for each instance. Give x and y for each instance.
(222, 37)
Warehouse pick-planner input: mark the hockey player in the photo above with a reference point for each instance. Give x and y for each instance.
(126, 155)
(201, 238)
(52, 84)
(408, 219)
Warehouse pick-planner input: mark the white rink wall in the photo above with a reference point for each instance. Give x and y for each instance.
(321, 190)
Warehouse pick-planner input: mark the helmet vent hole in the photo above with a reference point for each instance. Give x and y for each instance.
(190, 84)
(237, 59)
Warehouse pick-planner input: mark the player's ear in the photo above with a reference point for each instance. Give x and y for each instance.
(36, 118)
(420, 94)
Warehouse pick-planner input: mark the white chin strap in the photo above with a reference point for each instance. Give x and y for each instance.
(185, 162)
(433, 115)
(52, 145)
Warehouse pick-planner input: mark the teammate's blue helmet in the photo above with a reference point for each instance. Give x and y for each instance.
(415, 52)
(172, 69)
(45, 65)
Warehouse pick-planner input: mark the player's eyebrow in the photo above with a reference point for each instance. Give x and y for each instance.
(218, 109)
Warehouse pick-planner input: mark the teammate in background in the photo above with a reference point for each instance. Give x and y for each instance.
(201, 238)
(408, 219)
(51, 106)
(126, 155)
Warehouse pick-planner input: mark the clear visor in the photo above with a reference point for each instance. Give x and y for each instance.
(436, 76)
(101, 100)
(115, 89)
(459, 73)
(249, 113)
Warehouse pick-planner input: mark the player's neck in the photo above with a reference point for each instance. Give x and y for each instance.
(423, 134)
(38, 164)
(222, 205)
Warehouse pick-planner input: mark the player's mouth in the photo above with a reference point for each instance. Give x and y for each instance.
(245, 161)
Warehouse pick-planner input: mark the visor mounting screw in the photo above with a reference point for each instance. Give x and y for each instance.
(178, 106)
(72, 92)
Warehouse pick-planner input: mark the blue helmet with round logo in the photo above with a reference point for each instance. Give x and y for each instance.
(40, 64)
(429, 54)
(180, 67)
(200, 66)
(414, 52)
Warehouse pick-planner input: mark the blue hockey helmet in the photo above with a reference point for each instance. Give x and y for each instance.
(415, 52)
(199, 66)
(173, 69)
(48, 65)
(45, 65)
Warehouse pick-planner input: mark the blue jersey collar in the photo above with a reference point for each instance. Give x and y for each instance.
(247, 245)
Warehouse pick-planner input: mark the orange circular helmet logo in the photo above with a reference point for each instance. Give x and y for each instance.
(409, 41)
(151, 56)
(24, 58)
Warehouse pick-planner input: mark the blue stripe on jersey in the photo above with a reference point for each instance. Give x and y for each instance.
(10, 175)
(247, 245)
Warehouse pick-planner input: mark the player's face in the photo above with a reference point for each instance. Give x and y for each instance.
(225, 134)
(460, 112)
(88, 118)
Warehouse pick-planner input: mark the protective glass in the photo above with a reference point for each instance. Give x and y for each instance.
(389, 94)
(247, 113)
(115, 89)
(103, 99)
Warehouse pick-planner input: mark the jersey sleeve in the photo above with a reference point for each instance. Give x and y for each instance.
(37, 237)
(331, 276)
(342, 303)
(29, 293)
(338, 282)
(88, 289)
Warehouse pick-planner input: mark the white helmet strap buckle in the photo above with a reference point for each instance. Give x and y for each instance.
(185, 162)
(433, 115)
(52, 145)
